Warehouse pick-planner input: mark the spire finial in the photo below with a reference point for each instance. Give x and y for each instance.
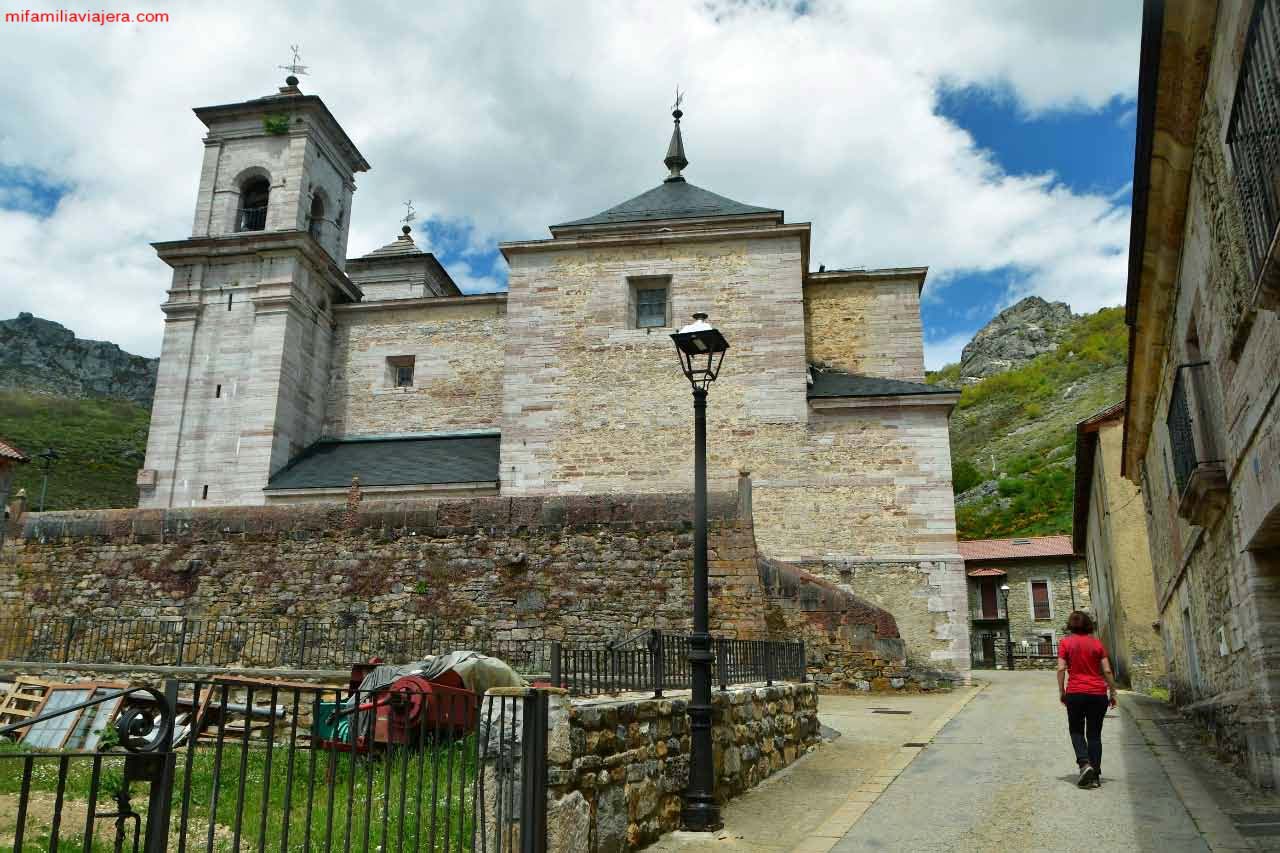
(294, 68)
(675, 159)
(409, 216)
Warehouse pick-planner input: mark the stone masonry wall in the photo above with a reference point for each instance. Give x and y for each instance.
(862, 324)
(457, 373)
(618, 766)
(846, 484)
(512, 569)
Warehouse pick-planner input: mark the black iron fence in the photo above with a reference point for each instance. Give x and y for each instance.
(251, 643)
(648, 661)
(1253, 133)
(231, 764)
(251, 218)
(657, 661)
(991, 652)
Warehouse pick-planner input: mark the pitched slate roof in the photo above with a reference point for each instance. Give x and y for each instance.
(402, 245)
(330, 464)
(1013, 549)
(8, 451)
(837, 383)
(674, 199)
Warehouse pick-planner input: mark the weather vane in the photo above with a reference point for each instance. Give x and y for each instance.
(679, 99)
(294, 67)
(409, 214)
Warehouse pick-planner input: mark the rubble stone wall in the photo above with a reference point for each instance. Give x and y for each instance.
(618, 766)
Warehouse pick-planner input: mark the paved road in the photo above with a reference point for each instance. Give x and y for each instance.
(1000, 777)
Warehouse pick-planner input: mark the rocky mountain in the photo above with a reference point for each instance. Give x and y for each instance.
(47, 358)
(1013, 431)
(1014, 337)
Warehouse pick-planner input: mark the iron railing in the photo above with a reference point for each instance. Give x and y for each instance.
(981, 613)
(251, 219)
(248, 643)
(656, 662)
(648, 661)
(243, 764)
(992, 652)
(1253, 131)
(1191, 439)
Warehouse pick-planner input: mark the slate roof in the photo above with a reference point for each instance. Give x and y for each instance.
(673, 199)
(330, 464)
(837, 383)
(1012, 549)
(8, 451)
(402, 245)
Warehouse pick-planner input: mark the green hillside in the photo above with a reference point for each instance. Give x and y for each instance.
(1013, 434)
(101, 443)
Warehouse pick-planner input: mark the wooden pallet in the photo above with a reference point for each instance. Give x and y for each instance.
(22, 701)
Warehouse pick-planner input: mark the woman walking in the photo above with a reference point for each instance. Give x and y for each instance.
(1087, 688)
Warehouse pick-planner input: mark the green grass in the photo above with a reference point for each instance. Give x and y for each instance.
(101, 442)
(412, 795)
(1018, 428)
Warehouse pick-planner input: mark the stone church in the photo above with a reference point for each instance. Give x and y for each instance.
(288, 369)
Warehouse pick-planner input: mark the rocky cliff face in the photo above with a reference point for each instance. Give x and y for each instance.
(1016, 335)
(43, 356)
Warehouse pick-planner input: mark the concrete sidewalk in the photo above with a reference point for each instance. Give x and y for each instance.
(990, 768)
(815, 801)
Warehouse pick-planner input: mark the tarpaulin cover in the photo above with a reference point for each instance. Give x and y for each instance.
(478, 673)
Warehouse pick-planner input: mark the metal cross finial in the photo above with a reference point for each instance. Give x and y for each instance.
(409, 214)
(294, 67)
(679, 99)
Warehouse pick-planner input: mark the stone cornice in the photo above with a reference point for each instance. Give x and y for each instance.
(661, 238)
(886, 402)
(177, 253)
(421, 302)
(886, 274)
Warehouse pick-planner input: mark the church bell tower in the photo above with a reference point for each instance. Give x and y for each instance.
(248, 318)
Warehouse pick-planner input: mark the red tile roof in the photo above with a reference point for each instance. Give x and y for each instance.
(1013, 549)
(8, 451)
(987, 572)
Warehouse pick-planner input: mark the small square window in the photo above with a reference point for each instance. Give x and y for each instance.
(400, 371)
(651, 308)
(648, 299)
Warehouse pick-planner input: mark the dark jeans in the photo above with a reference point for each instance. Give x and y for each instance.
(1085, 713)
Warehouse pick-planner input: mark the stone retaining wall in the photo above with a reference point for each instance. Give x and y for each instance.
(618, 766)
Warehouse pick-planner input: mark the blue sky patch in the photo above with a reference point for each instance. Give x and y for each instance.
(30, 191)
(473, 261)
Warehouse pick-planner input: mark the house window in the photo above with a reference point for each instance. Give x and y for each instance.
(252, 214)
(1251, 132)
(1040, 606)
(204, 493)
(217, 392)
(400, 371)
(648, 301)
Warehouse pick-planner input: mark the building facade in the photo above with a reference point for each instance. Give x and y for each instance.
(1110, 531)
(1020, 593)
(1202, 420)
(287, 369)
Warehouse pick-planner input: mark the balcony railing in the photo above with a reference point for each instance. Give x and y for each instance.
(251, 219)
(1198, 470)
(978, 614)
(1253, 131)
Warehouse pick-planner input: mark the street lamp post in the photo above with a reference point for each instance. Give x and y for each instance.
(47, 458)
(701, 348)
(1008, 634)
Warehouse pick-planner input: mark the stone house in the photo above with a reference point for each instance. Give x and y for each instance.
(10, 458)
(288, 369)
(1022, 589)
(1202, 421)
(1109, 529)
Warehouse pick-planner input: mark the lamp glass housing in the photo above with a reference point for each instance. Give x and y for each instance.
(701, 349)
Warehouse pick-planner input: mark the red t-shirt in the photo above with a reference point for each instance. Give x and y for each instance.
(1084, 655)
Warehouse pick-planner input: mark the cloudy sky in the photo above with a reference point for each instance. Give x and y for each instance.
(991, 140)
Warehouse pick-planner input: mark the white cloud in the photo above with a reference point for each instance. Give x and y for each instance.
(946, 350)
(514, 117)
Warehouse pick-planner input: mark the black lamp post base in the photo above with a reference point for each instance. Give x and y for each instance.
(701, 814)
